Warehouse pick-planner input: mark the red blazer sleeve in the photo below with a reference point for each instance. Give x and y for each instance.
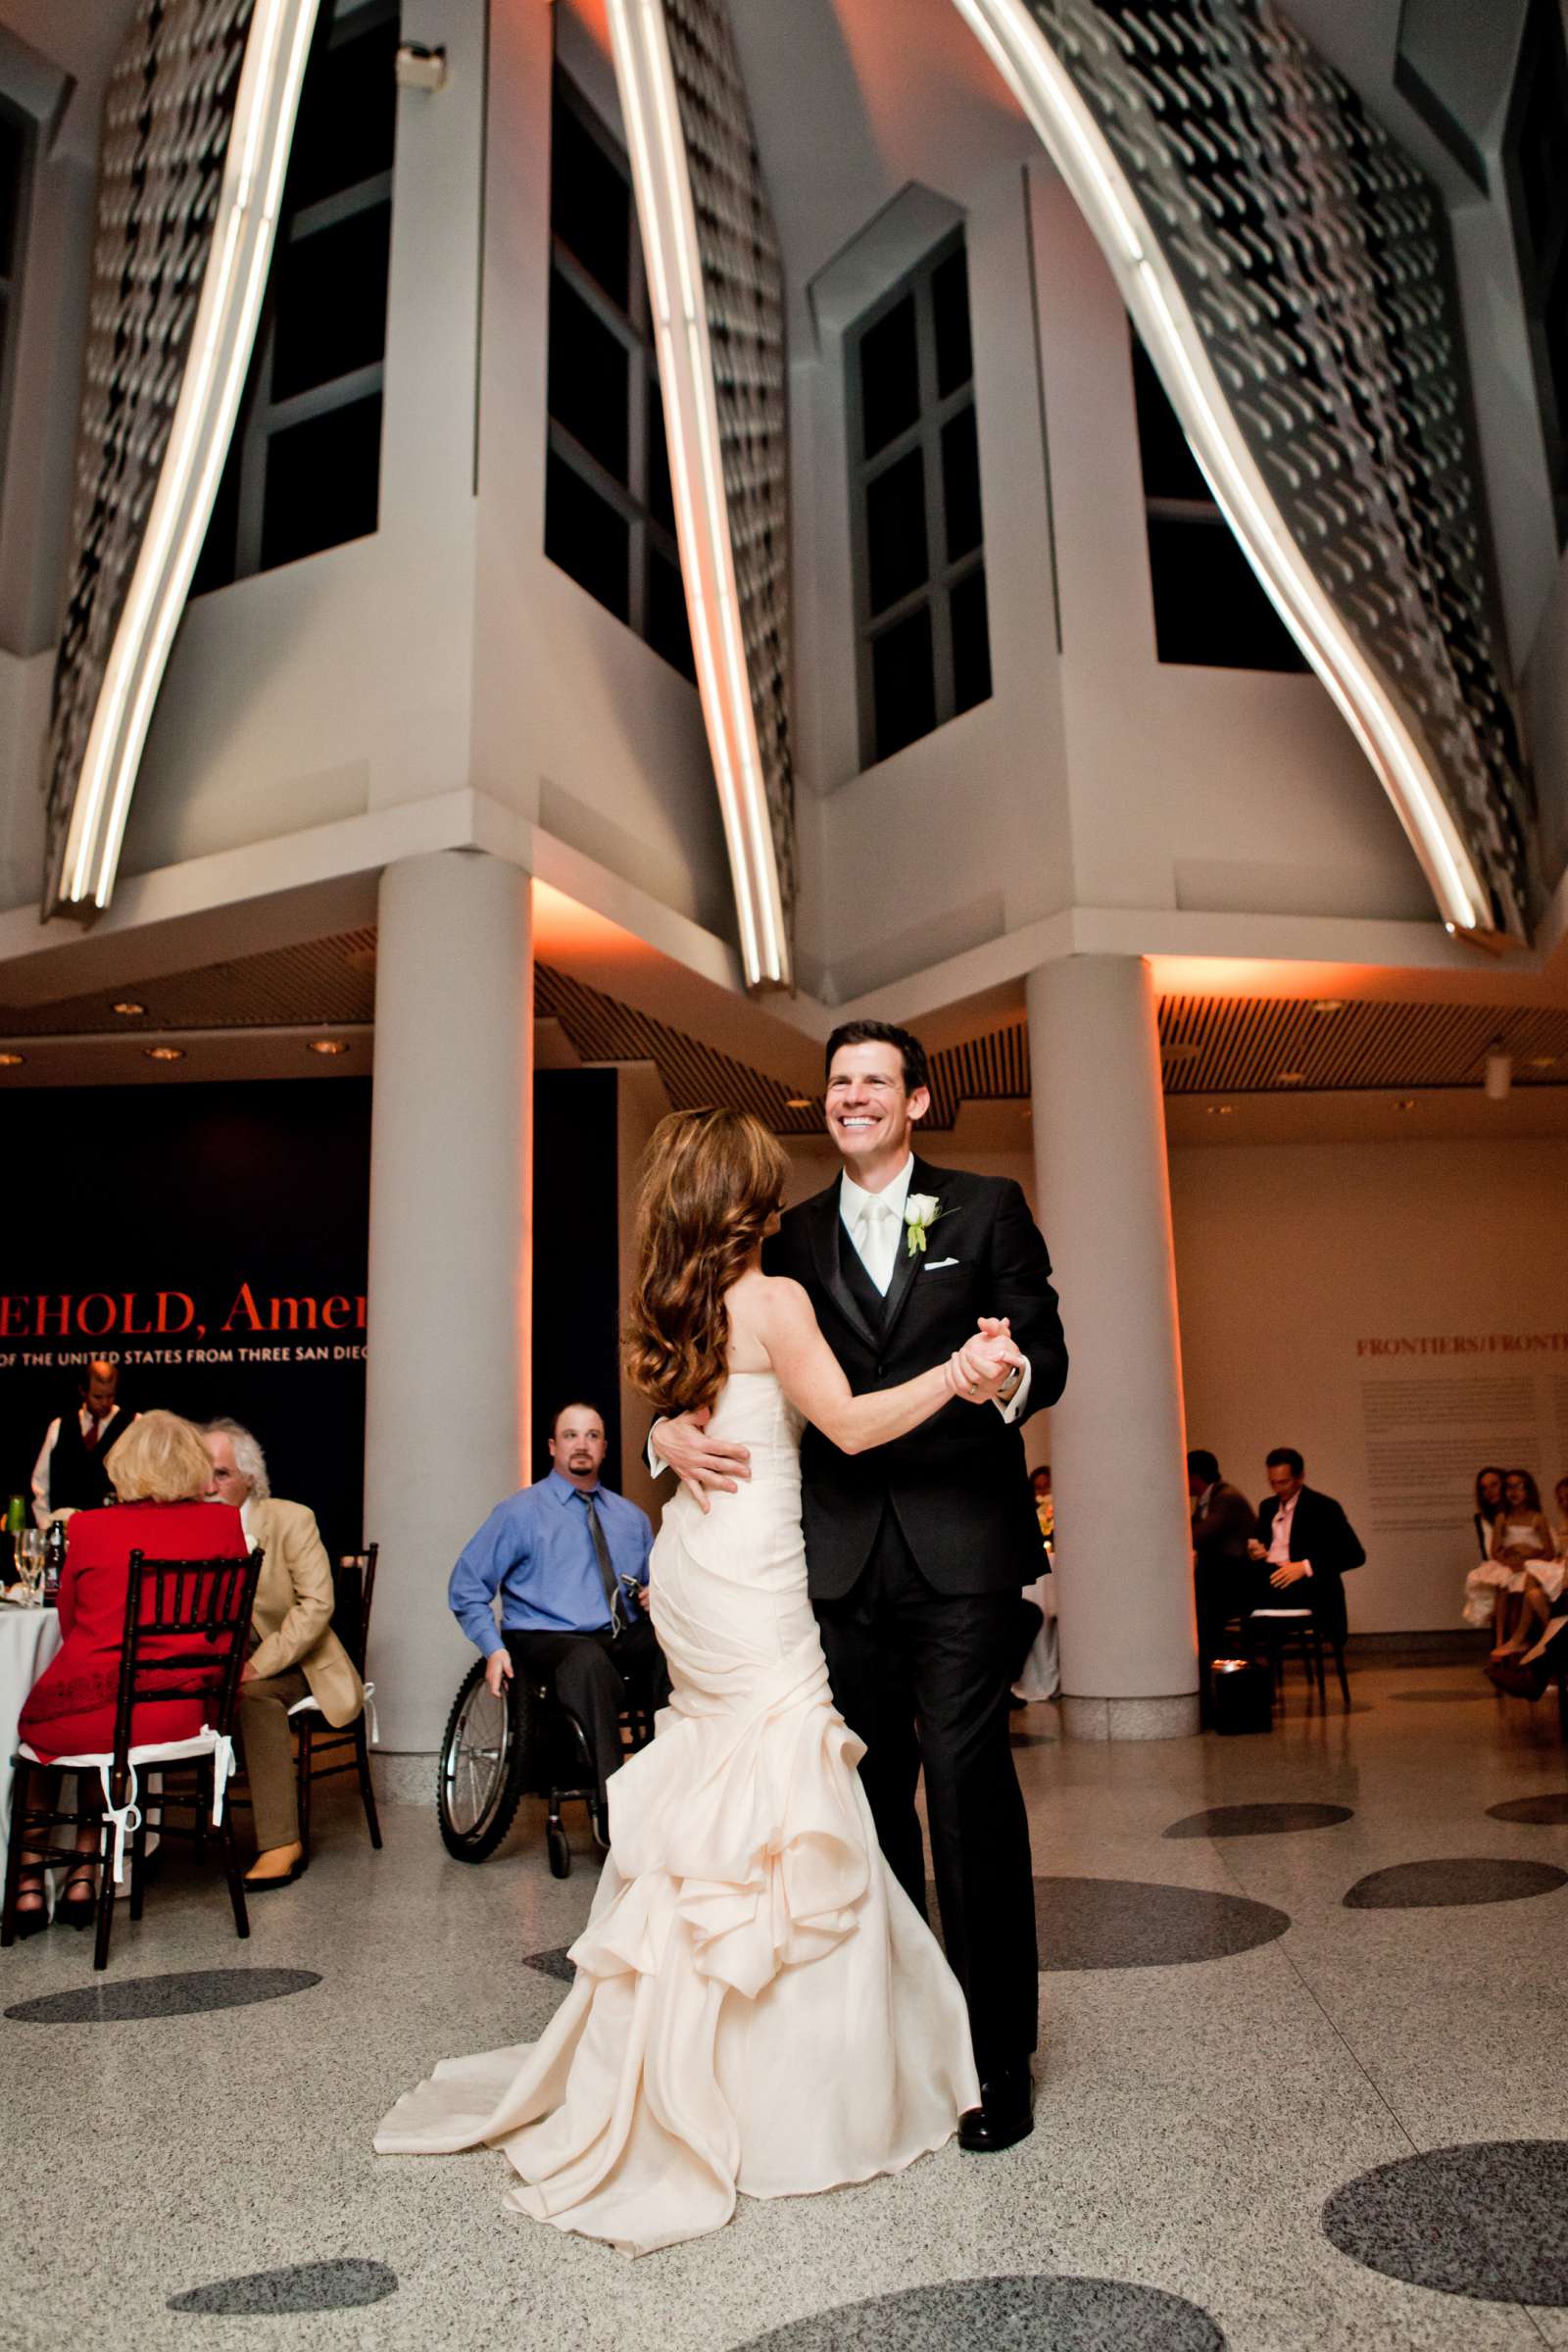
(84, 1552)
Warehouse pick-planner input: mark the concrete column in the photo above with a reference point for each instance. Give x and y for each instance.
(1117, 1441)
(449, 1299)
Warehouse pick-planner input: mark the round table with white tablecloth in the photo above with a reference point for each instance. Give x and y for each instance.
(28, 1640)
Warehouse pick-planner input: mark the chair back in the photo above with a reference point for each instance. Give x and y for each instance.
(187, 1627)
(353, 1591)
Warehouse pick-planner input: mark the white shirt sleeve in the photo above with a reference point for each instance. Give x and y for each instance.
(40, 1475)
(656, 1465)
(1012, 1411)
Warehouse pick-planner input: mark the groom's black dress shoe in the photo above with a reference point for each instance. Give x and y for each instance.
(1004, 2116)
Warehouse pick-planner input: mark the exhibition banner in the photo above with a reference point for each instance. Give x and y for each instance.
(211, 1240)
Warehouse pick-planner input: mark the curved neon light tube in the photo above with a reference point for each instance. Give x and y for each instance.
(227, 313)
(646, 76)
(1067, 130)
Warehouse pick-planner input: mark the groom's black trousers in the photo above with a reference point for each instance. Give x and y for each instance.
(923, 1677)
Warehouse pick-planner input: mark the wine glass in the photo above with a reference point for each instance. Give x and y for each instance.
(30, 1555)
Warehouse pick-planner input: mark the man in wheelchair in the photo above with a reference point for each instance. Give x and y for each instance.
(568, 1558)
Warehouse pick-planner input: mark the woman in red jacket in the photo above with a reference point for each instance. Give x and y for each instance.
(159, 1471)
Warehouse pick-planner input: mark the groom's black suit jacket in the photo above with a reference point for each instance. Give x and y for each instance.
(958, 1483)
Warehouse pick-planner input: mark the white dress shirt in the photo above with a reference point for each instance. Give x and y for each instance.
(874, 1222)
(1279, 1542)
(40, 1469)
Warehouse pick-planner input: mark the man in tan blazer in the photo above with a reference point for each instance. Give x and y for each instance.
(294, 1648)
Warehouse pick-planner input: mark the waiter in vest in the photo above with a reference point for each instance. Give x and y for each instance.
(69, 1474)
(568, 1559)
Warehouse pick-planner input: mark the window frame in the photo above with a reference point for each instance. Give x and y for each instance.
(13, 280)
(1195, 513)
(262, 418)
(1538, 266)
(633, 330)
(943, 576)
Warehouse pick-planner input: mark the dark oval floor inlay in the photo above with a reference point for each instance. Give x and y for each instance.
(1488, 2220)
(1258, 1821)
(182, 1993)
(1013, 2314)
(299, 2287)
(1471, 1878)
(1545, 1812)
(1128, 1923)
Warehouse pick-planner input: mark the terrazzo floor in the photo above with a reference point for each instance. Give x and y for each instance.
(1268, 2117)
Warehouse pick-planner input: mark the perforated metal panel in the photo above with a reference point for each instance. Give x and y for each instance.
(166, 119)
(744, 288)
(1313, 258)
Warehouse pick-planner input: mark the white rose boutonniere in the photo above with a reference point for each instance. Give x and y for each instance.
(921, 1211)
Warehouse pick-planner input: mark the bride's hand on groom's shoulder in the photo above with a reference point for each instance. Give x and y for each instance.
(704, 1465)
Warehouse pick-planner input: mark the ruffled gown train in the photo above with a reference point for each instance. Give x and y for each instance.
(758, 2006)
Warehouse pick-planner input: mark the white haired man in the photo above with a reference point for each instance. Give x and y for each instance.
(294, 1648)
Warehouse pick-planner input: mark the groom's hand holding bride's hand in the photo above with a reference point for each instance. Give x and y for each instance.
(698, 1462)
(989, 1363)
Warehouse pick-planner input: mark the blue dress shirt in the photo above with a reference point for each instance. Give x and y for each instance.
(535, 1550)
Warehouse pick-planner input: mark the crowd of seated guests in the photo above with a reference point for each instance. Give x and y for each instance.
(1517, 1587)
(186, 1493)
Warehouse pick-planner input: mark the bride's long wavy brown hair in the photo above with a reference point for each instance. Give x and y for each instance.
(712, 1182)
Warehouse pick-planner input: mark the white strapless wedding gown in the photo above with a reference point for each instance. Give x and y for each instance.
(758, 2006)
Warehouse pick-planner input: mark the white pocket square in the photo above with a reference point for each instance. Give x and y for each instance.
(934, 1265)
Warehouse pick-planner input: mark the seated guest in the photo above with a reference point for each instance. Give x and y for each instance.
(569, 1560)
(1524, 1548)
(159, 1471)
(1224, 1522)
(1045, 1503)
(294, 1651)
(1488, 1502)
(1307, 1544)
(1485, 1588)
(72, 1472)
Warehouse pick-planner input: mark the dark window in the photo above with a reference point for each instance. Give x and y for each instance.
(609, 513)
(915, 462)
(1210, 608)
(1535, 167)
(304, 466)
(15, 148)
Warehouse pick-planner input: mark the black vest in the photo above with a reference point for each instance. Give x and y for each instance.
(78, 1478)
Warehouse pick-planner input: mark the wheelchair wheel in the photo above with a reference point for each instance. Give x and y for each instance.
(559, 1850)
(482, 1768)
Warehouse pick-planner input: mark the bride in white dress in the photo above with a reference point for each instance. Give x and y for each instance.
(758, 2007)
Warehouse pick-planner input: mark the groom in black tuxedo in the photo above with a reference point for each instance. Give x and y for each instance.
(916, 1552)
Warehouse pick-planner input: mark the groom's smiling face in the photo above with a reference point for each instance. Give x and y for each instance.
(870, 1113)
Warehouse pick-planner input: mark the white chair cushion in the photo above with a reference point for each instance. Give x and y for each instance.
(127, 1817)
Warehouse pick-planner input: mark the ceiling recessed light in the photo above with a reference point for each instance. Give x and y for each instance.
(1289, 1077)
(326, 1045)
(127, 1009)
(11, 1062)
(1328, 1004)
(799, 1103)
(1219, 1110)
(165, 1052)
(1544, 1062)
